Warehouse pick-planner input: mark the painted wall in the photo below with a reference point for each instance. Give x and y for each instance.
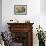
(33, 11)
(43, 6)
(0, 15)
(34, 14)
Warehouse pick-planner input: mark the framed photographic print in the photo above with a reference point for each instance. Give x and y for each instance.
(20, 9)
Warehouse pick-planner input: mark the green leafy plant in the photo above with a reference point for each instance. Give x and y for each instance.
(40, 34)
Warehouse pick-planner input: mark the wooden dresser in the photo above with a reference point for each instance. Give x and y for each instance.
(22, 33)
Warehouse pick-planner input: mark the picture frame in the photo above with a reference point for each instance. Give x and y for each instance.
(20, 9)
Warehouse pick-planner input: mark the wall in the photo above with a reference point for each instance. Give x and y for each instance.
(0, 15)
(33, 11)
(43, 14)
(43, 6)
(34, 14)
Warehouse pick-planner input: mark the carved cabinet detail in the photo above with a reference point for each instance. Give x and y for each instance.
(22, 33)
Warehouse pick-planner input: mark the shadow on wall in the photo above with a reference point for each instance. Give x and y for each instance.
(43, 6)
(0, 15)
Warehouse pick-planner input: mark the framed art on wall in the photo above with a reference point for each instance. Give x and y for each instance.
(20, 9)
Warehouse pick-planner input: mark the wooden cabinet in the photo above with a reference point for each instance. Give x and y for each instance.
(22, 33)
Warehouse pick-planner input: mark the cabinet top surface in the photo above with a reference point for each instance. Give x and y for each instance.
(19, 23)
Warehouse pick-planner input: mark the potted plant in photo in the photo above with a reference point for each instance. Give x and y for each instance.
(41, 36)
